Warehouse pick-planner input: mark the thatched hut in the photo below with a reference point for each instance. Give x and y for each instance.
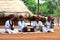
(15, 7)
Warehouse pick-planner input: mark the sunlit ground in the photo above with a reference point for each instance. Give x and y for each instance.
(33, 36)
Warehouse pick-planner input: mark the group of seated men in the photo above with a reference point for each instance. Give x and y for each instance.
(37, 25)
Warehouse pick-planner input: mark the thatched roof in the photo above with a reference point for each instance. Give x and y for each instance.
(13, 6)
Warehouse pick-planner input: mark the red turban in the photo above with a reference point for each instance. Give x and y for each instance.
(11, 15)
(21, 16)
(38, 18)
(49, 17)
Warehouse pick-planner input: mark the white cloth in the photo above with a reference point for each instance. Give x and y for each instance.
(37, 24)
(44, 29)
(12, 31)
(21, 25)
(7, 26)
(9, 31)
(48, 25)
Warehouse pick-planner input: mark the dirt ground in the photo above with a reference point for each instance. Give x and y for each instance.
(33, 36)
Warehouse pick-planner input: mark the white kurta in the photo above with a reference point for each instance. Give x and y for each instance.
(48, 24)
(37, 24)
(7, 26)
(21, 25)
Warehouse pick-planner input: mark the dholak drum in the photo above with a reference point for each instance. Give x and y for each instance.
(28, 29)
(39, 28)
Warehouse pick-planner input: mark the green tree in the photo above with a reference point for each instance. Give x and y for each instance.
(31, 5)
(50, 7)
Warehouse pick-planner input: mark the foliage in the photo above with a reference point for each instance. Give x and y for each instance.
(31, 5)
(48, 8)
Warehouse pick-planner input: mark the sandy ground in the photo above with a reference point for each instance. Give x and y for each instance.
(33, 36)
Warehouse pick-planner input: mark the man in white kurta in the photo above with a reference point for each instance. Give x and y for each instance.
(48, 24)
(37, 23)
(21, 24)
(9, 25)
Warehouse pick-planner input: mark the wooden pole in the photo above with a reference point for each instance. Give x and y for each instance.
(38, 7)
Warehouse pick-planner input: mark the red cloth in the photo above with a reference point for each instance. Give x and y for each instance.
(49, 17)
(21, 16)
(11, 15)
(38, 18)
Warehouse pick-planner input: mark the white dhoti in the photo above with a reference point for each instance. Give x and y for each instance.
(44, 29)
(11, 31)
(36, 30)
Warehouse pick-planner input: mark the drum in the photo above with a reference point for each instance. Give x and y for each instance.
(39, 28)
(30, 29)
